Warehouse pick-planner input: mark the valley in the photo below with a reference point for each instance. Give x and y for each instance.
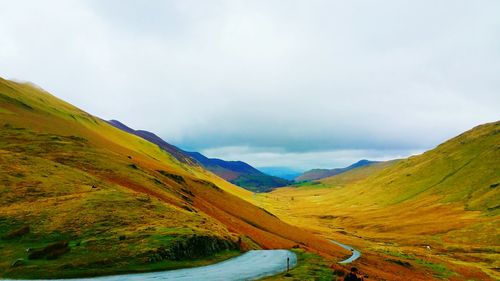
(82, 197)
(249, 140)
(431, 216)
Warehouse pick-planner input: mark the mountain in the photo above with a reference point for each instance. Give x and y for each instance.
(463, 169)
(282, 172)
(236, 172)
(80, 197)
(357, 174)
(316, 174)
(171, 149)
(240, 173)
(430, 216)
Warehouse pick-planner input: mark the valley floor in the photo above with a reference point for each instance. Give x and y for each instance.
(440, 241)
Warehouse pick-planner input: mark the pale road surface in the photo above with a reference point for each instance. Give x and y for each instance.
(355, 253)
(251, 265)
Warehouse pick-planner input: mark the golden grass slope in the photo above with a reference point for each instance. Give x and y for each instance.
(465, 169)
(356, 174)
(116, 198)
(447, 198)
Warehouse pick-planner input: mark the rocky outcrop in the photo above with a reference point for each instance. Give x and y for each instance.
(50, 252)
(191, 248)
(17, 232)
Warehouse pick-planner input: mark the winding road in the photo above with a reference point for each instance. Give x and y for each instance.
(251, 265)
(355, 253)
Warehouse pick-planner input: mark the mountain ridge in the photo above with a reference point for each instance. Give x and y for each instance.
(236, 172)
(316, 174)
(240, 173)
(172, 149)
(100, 200)
(282, 172)
(436, 208)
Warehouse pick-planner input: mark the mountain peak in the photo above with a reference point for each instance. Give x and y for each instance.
(316, 174)
(239, 173)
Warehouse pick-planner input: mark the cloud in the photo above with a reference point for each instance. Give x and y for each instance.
(270, 157)
(306, 77)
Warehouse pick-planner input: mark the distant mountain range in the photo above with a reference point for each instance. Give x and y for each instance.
(240, 173)
(173, 150)
(316, 174)
(282, 172)
(236, 172)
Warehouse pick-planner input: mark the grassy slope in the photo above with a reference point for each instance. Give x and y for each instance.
(356, 174)
(52, 154)
(446, 198)
(462, 169)
(259, 182)
(240, 173)
(318, 174)
(309, 267)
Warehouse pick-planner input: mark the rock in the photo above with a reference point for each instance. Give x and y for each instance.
(338, 272)
(177, 178)
(187, 208)
(52, 251)
(192, 247)
(400, 262)
(17, 263)
(17, 232)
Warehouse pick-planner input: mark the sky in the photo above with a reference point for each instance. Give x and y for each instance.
(299, 84)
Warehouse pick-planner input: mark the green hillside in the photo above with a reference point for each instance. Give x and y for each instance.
(439, 209)
(240, 173)
(317, 174)
(79, 197)
(67, 176)
(464, 169)
(357, 174)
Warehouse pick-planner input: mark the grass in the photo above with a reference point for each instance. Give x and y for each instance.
(446, 197)
(439, 270)
(52, 154)
(94, 235)
(309, 267)
(460, 170)
(73, 268)
(259, 182)
(70, 176)
(67, 175)
(356, 174)
(310, 184)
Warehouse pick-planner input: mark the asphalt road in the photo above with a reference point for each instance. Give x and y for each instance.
(251, 265)
(355, 253)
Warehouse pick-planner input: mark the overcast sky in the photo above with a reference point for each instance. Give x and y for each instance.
(301, 84)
